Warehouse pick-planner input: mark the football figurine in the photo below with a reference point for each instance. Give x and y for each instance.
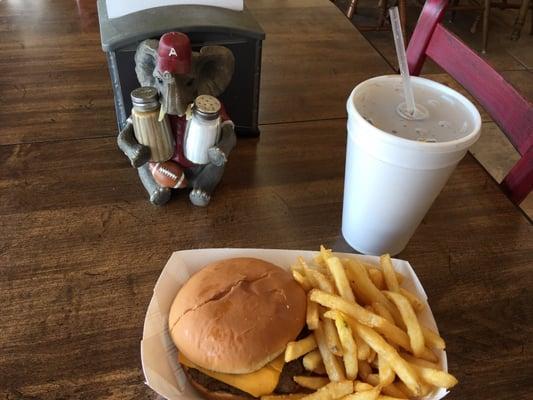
(169, 175)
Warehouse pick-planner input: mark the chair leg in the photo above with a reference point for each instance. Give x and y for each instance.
(519, 181)
(486, 15)
(473, 28)
(531, 27)
(402, 9)
(383, 5)
(455, 3)
(351, 9)
(519, 23)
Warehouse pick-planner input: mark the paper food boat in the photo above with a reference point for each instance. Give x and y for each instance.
(159, 355)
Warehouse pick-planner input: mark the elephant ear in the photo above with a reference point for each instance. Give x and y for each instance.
(213, 68)
(145, 61)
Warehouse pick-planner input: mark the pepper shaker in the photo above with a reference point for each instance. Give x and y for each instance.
(148, 129)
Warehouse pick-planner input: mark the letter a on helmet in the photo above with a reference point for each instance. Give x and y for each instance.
(174, 53)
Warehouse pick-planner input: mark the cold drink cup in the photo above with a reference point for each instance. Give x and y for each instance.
(396, 167)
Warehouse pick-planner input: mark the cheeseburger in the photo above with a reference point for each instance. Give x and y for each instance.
(231, 322)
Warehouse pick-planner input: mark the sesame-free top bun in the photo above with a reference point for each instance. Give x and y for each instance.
(236, 315)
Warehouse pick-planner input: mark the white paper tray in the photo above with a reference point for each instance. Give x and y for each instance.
(159, 355)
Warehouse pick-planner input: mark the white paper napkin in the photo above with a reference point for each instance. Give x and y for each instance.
(119, 8)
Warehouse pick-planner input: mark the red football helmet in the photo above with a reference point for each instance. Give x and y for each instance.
(174, 53)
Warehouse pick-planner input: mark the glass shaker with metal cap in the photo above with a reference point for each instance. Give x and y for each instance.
(148, 129)
(203, 129)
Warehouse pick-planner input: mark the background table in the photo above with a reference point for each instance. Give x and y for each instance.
(81, 248)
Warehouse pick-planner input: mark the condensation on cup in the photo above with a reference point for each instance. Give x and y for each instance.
(396, 167)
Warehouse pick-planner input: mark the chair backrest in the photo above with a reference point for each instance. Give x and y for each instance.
(510, 110)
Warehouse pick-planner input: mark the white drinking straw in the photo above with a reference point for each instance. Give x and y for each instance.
(402, 59)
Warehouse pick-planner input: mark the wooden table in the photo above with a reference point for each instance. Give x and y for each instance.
(81, 248)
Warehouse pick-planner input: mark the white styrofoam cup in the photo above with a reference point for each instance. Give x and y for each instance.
(391, 182)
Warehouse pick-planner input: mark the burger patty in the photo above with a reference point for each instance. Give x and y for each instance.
(286, 384)
(212, 384)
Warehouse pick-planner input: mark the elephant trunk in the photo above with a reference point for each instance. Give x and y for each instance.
(171, 102)
(168, 95)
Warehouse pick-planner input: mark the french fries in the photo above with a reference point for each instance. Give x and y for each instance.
(372, 357)
(403, 369)
(331, 363)
(382, 311)
(349, 348)
(365, 289)
(386, 374)
(293, 396)
(352, 309)
(305, 268)
(312, 314)
(367, 336)
(433, 339)
(389, 330)
(339, 276)
(369, 267)
(435, 377)
(390, 390)
(311, 382)
(323, 256)
(302, 280)
(320, 261)
(376, 276)
(385, 397)
(363, 349)
(359, 386)
(388, 272)
(414, 330)
(312, 361)
(371, 394)
(364, 369)
(419, 361)
(319, 280)
(332, 337)
(333, 390)
(363, 286)
(399, 277)
(425, 387)
(297, 349)
(428, 355)
(417, 304)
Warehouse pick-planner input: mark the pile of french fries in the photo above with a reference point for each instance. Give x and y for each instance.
(367, 342)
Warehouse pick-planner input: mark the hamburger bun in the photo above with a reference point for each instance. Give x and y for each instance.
(236, 315)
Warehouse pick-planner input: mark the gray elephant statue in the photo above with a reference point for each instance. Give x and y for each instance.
(181, 76)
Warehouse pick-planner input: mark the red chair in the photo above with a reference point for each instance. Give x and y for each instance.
(512, 112)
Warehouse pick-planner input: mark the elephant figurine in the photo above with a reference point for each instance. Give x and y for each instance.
(181, 76)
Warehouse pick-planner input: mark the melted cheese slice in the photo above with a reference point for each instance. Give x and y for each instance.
(258, 383)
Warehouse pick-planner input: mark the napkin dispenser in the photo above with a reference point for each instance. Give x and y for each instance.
(205, 25)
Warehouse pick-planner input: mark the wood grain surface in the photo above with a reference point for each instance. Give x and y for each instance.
(81, 248)
(312, 59)
(53, 75)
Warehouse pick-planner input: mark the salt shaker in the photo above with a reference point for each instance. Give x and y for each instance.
(148, 129)
(203, 129)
